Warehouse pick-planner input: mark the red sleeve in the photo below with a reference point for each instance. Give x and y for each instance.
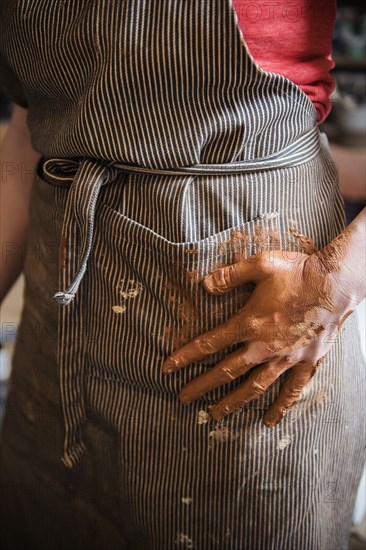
(293, 39)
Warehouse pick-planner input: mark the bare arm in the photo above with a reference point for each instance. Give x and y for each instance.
(18, 161)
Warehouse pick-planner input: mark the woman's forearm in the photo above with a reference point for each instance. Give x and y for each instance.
(18, 161)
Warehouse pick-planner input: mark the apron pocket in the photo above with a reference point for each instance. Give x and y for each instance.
(144, 297)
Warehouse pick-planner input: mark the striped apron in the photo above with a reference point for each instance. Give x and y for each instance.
(186, 156)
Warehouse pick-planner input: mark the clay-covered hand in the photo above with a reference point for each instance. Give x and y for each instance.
(288, 324)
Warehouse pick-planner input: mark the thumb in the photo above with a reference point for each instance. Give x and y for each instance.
(227, 278)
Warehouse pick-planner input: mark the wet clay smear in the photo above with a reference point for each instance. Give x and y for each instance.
(194, 311)
(188, 301)
(303, 316)
(241, 245)
(236, 245)
(184, 290)
(307, 243)
(332, 255)
(183, 293)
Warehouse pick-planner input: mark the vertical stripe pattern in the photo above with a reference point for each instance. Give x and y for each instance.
(169, 152)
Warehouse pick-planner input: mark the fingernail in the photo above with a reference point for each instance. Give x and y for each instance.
(216, 414)
(214, 281)
(219, 411)
(270, 421)
(270, 424)
(184, 398)
(168, 366)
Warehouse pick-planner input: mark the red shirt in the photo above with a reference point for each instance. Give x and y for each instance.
(293, 39)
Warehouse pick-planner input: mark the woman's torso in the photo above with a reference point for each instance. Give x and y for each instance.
(100, 82)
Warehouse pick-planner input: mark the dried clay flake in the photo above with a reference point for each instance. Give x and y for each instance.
(119, 309)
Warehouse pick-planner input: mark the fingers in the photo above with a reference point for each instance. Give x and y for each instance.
(256, 385)
(236, 329)
(234, 365)
(289, 394)
(231, 276)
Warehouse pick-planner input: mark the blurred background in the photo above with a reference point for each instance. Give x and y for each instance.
(346, 131)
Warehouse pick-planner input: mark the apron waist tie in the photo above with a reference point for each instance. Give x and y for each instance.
(90, 174)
